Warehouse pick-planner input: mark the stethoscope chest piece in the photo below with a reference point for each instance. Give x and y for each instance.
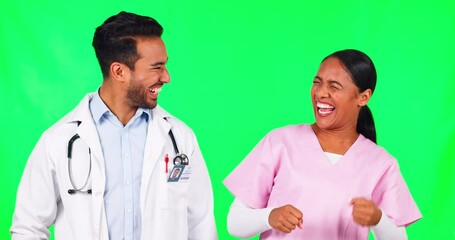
(181, 159)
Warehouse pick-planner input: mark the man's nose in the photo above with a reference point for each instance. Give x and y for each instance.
(165, 77)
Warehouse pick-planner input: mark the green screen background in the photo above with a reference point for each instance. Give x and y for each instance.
(239, 69)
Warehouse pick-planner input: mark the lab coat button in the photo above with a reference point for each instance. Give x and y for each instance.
(98, 194)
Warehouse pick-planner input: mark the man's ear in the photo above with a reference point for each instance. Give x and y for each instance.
(119, 71)
(364, 97)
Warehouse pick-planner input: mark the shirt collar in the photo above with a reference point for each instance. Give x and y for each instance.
(100, 110)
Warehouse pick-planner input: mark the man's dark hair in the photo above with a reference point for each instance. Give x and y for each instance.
(115, 39)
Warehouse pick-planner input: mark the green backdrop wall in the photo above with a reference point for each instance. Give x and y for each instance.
(239, 69)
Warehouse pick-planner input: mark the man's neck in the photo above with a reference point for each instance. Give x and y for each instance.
(117, 103)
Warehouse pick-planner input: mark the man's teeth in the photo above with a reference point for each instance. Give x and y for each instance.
(155, 90)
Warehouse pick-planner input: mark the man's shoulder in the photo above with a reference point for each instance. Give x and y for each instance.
(71, 120)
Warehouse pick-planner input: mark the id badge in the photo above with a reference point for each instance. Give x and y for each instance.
(176, 173)
(180, 173)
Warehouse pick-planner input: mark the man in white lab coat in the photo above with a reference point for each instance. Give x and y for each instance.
(103, 171)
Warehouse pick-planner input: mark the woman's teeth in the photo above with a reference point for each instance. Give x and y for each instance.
(324, 105)
(324, 108)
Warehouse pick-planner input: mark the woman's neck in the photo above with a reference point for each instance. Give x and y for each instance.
(334, 141)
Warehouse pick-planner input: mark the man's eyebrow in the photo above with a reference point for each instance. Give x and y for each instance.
(158, 63)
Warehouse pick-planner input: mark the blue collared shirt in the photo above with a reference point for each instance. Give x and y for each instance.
(123, 151)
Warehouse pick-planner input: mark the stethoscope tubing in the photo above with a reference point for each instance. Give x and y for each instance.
(70, 167)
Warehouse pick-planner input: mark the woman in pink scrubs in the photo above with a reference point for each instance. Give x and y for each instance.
(328, 180)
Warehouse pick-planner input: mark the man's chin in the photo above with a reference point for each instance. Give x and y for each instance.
(152, 105)
(147, 105)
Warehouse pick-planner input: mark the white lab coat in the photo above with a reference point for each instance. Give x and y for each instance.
(169, 210)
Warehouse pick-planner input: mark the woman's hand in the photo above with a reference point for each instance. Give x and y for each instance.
(365, 212)
(285, 218)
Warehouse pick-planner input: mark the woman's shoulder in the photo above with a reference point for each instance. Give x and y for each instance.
(290, 130)
(371, 149)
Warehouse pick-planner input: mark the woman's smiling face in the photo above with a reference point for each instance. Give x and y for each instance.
(336, 99)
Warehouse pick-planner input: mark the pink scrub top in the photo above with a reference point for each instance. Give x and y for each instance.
(289, 166)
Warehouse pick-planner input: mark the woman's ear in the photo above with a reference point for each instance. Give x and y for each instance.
(364, 97)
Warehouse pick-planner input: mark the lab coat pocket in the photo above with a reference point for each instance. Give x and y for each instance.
(175, 223)
(173, 217)
(174, 191)
(177, 196)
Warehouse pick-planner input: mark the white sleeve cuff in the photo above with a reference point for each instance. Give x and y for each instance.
(386, 230)
(246, 222)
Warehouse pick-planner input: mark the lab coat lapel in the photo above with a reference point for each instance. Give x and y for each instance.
(87, 129)
(157, 134)
(88, 133)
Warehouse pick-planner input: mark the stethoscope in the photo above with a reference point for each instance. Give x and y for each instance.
(179, 159)
(70, 153)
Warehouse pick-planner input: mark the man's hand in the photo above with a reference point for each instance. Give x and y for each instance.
(285, 218)
(365, 212)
